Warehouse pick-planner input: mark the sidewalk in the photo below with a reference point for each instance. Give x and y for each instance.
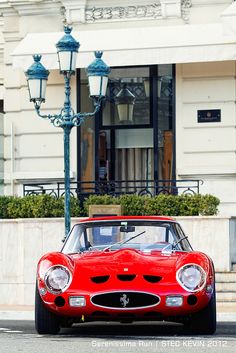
(16, 312)
(20, 312)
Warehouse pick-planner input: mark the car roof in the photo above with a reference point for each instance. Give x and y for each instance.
(117, 218)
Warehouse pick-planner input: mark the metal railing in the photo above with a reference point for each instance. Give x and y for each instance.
(84, 189)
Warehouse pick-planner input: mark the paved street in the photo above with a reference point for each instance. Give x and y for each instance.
(20, 336)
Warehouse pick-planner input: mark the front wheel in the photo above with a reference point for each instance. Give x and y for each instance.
(204, 322)
(45, 321)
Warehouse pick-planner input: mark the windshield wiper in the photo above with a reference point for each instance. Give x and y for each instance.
(124, 241)
(168, 249)
(179, 241)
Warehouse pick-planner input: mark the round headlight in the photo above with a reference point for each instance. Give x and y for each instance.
(57, 279)
(191, 277)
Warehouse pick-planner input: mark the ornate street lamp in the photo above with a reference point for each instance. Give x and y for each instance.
(37, 75)
(124, 101)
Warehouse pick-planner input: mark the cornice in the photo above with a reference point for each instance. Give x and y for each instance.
(30, 7)
(81, 11)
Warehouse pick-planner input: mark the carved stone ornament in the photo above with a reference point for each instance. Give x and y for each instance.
(185, 9)
(152, 11)
(95, 14)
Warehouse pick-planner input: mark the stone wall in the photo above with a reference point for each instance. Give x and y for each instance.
(207, 150)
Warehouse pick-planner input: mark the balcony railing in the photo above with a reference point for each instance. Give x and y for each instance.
(83, 189)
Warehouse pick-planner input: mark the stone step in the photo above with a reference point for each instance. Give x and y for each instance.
(230, 306)
(226, 276)
(226, 296)
(225, 286)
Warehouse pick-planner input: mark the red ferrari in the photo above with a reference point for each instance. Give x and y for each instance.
(126, 269)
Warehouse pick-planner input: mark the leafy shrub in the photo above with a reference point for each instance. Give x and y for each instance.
(19, 208)
(166, 205)
(4, 200)
(36, 206)
(208, 205)
(132, 205)
(40, 206)
(75, 209)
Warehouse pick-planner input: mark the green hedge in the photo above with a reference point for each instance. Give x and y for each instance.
(40, 206)
(166, 205)
(36, 206)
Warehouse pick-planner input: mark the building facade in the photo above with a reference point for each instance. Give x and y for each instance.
(177, 58)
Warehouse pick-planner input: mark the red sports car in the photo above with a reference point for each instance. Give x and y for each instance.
(126, 269)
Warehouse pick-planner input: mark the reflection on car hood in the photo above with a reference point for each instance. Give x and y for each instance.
(132, 261)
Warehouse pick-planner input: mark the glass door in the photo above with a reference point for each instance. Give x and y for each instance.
(130, 147)
(126, 158)
(125, 130)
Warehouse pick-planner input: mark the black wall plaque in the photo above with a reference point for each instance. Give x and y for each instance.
(209, 116)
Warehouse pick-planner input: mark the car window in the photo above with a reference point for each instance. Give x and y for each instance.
(115, 235)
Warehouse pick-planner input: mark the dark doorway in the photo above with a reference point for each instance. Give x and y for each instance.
(139, 150)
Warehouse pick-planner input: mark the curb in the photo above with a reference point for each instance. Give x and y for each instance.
(17, 315)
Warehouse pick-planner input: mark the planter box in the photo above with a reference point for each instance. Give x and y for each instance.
(104, 210)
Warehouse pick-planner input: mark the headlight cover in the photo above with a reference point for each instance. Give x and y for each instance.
(191, 277)
(57, 279)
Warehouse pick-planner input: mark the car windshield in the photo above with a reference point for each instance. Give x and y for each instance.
(114, 235)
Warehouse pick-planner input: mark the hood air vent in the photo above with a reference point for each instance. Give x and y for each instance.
(152, 279)
(125, 278)
(100, 279)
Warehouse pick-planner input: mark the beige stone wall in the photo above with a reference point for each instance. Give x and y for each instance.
(207, 150)
(22, 244)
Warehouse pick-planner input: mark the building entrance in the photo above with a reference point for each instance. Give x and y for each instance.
(129, 147)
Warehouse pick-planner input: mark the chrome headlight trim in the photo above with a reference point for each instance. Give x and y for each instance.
(49, 272)
(202, 281)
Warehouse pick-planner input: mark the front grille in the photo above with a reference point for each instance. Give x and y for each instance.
(125, 300)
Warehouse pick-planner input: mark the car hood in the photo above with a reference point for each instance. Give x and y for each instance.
(133, 261)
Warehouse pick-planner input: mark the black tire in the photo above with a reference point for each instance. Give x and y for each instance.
(45, 321)
(204, 322)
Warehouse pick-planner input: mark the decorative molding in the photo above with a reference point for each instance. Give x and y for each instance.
(78, 11)
(158, 10)
(95, 14)
(185, 9)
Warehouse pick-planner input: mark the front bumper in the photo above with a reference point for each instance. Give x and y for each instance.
(190, 304)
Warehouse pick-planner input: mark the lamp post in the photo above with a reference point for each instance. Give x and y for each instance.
(37, 75)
